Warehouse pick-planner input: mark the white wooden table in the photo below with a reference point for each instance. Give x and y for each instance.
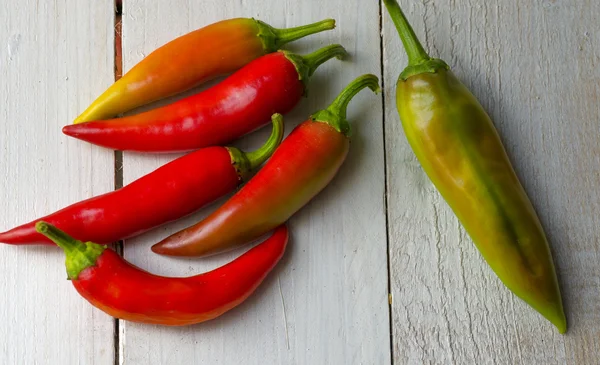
(379, 228)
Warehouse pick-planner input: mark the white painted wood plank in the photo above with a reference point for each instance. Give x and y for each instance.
(534, 67)
(55, 58)
(326, 303)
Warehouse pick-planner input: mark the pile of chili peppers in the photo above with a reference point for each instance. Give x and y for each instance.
(264, 83)
(449, 131)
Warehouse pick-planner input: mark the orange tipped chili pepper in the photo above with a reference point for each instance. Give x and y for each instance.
(172, 191)
(124, 291)
(240, 104)
(300, 168)
(192, 59)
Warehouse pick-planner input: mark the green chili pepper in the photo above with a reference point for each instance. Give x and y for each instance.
(461, 152)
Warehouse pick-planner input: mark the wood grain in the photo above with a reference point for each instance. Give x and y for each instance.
(534, 67)
(326, 303)
(55, 57)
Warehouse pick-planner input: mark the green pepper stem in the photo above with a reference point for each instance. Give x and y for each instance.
(418, 60)
(62, 240)
(283, 36)
(245, 162)
(317, 58)
(259, 156)
(274, 38)
(307, 65)
(415, 51)
(340, 104)
(335, 114)
(80, 255)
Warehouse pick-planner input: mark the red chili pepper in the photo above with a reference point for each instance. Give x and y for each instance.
(192, 59)
(172, 191)
(300, 168)
(240, 104)
(124, 291)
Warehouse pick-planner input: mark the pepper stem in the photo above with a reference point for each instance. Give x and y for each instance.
(259, 156)
(307, 65)
(335, 114)
(62, 240)
(274, 38)
(80, 255)
(245, 162)
(418, 60)
(317, 58)
(415, 51)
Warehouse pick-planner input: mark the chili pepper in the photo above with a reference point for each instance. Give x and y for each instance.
(300, 168)
(124, 291)
(461, 152)
(194, 58)
(240, 104)
(172, 191)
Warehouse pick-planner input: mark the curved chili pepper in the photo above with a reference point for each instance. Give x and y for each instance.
(124, 291)
(240, 104)
(459, 149)
(300, 168)
(172, 191)
(194, 58)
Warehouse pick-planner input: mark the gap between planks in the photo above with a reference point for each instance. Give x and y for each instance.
(385, 185)
(118, 165)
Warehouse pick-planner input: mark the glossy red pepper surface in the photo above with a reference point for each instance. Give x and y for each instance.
(172, 191)
(215, 50)
(240, 104)
(124, 291)
(300, 168)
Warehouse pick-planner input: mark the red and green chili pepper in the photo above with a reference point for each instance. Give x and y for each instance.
(302, 166)
(172, 191)
(240, 104)
(124, 291)
(196, 57)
